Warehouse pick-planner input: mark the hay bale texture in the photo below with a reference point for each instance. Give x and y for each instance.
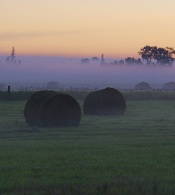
(142, 86)
(108, 101)
(60, 110)
(32, 107)
(51, 109)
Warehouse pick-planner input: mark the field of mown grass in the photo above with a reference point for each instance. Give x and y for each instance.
(130, 154)
(81, 94)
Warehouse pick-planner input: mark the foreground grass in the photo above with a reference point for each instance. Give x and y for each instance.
(131, 154)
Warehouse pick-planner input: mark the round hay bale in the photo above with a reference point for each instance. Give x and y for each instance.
(169, 86)
(32, 107)
(60, 110)
(142, 86)
(53, 85)
(108, 101)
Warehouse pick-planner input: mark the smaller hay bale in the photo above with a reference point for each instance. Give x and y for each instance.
(53, 85)
(108, 101)
(60, 110)
(169, 86)
(142, 86)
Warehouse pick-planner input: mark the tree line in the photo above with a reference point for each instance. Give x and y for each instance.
(150, 55)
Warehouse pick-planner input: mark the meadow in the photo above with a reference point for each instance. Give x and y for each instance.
(130, 154)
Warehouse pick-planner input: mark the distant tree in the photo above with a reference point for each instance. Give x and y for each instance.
(121, 62)
(13, 53)
(129, 60)
(132, 60)
(162, 56)
(85, 61)
(115, 62)
(12, 57)
(138, 61)
(95, 59)
(146, 54)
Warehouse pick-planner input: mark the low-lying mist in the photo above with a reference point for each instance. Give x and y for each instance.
(30, 71)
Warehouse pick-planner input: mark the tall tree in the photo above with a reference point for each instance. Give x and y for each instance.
(11, 58)
(162, 56)
(13, 52)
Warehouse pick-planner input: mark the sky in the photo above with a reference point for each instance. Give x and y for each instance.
(79, 28)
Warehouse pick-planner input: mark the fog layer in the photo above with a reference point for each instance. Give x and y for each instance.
(72, 73)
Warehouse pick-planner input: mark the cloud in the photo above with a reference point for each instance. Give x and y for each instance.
(21, 35)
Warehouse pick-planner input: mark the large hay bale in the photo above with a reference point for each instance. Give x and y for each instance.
(108, 101)
(32, 107)
(60, 110)
(142, 86)
(50, 109)
(169, 86)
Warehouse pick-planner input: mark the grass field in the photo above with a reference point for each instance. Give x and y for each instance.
(131, 154)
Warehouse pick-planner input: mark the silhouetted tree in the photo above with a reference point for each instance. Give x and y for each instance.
(138, 61)
(115, 62)
(121, 62)
(132, 60)
(11, 58)
(13, 53)
(129, 60)
(147, 53)
(85, 61)
(95, 59)
(162, 56)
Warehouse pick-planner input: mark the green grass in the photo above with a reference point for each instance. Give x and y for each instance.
(130, 154)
